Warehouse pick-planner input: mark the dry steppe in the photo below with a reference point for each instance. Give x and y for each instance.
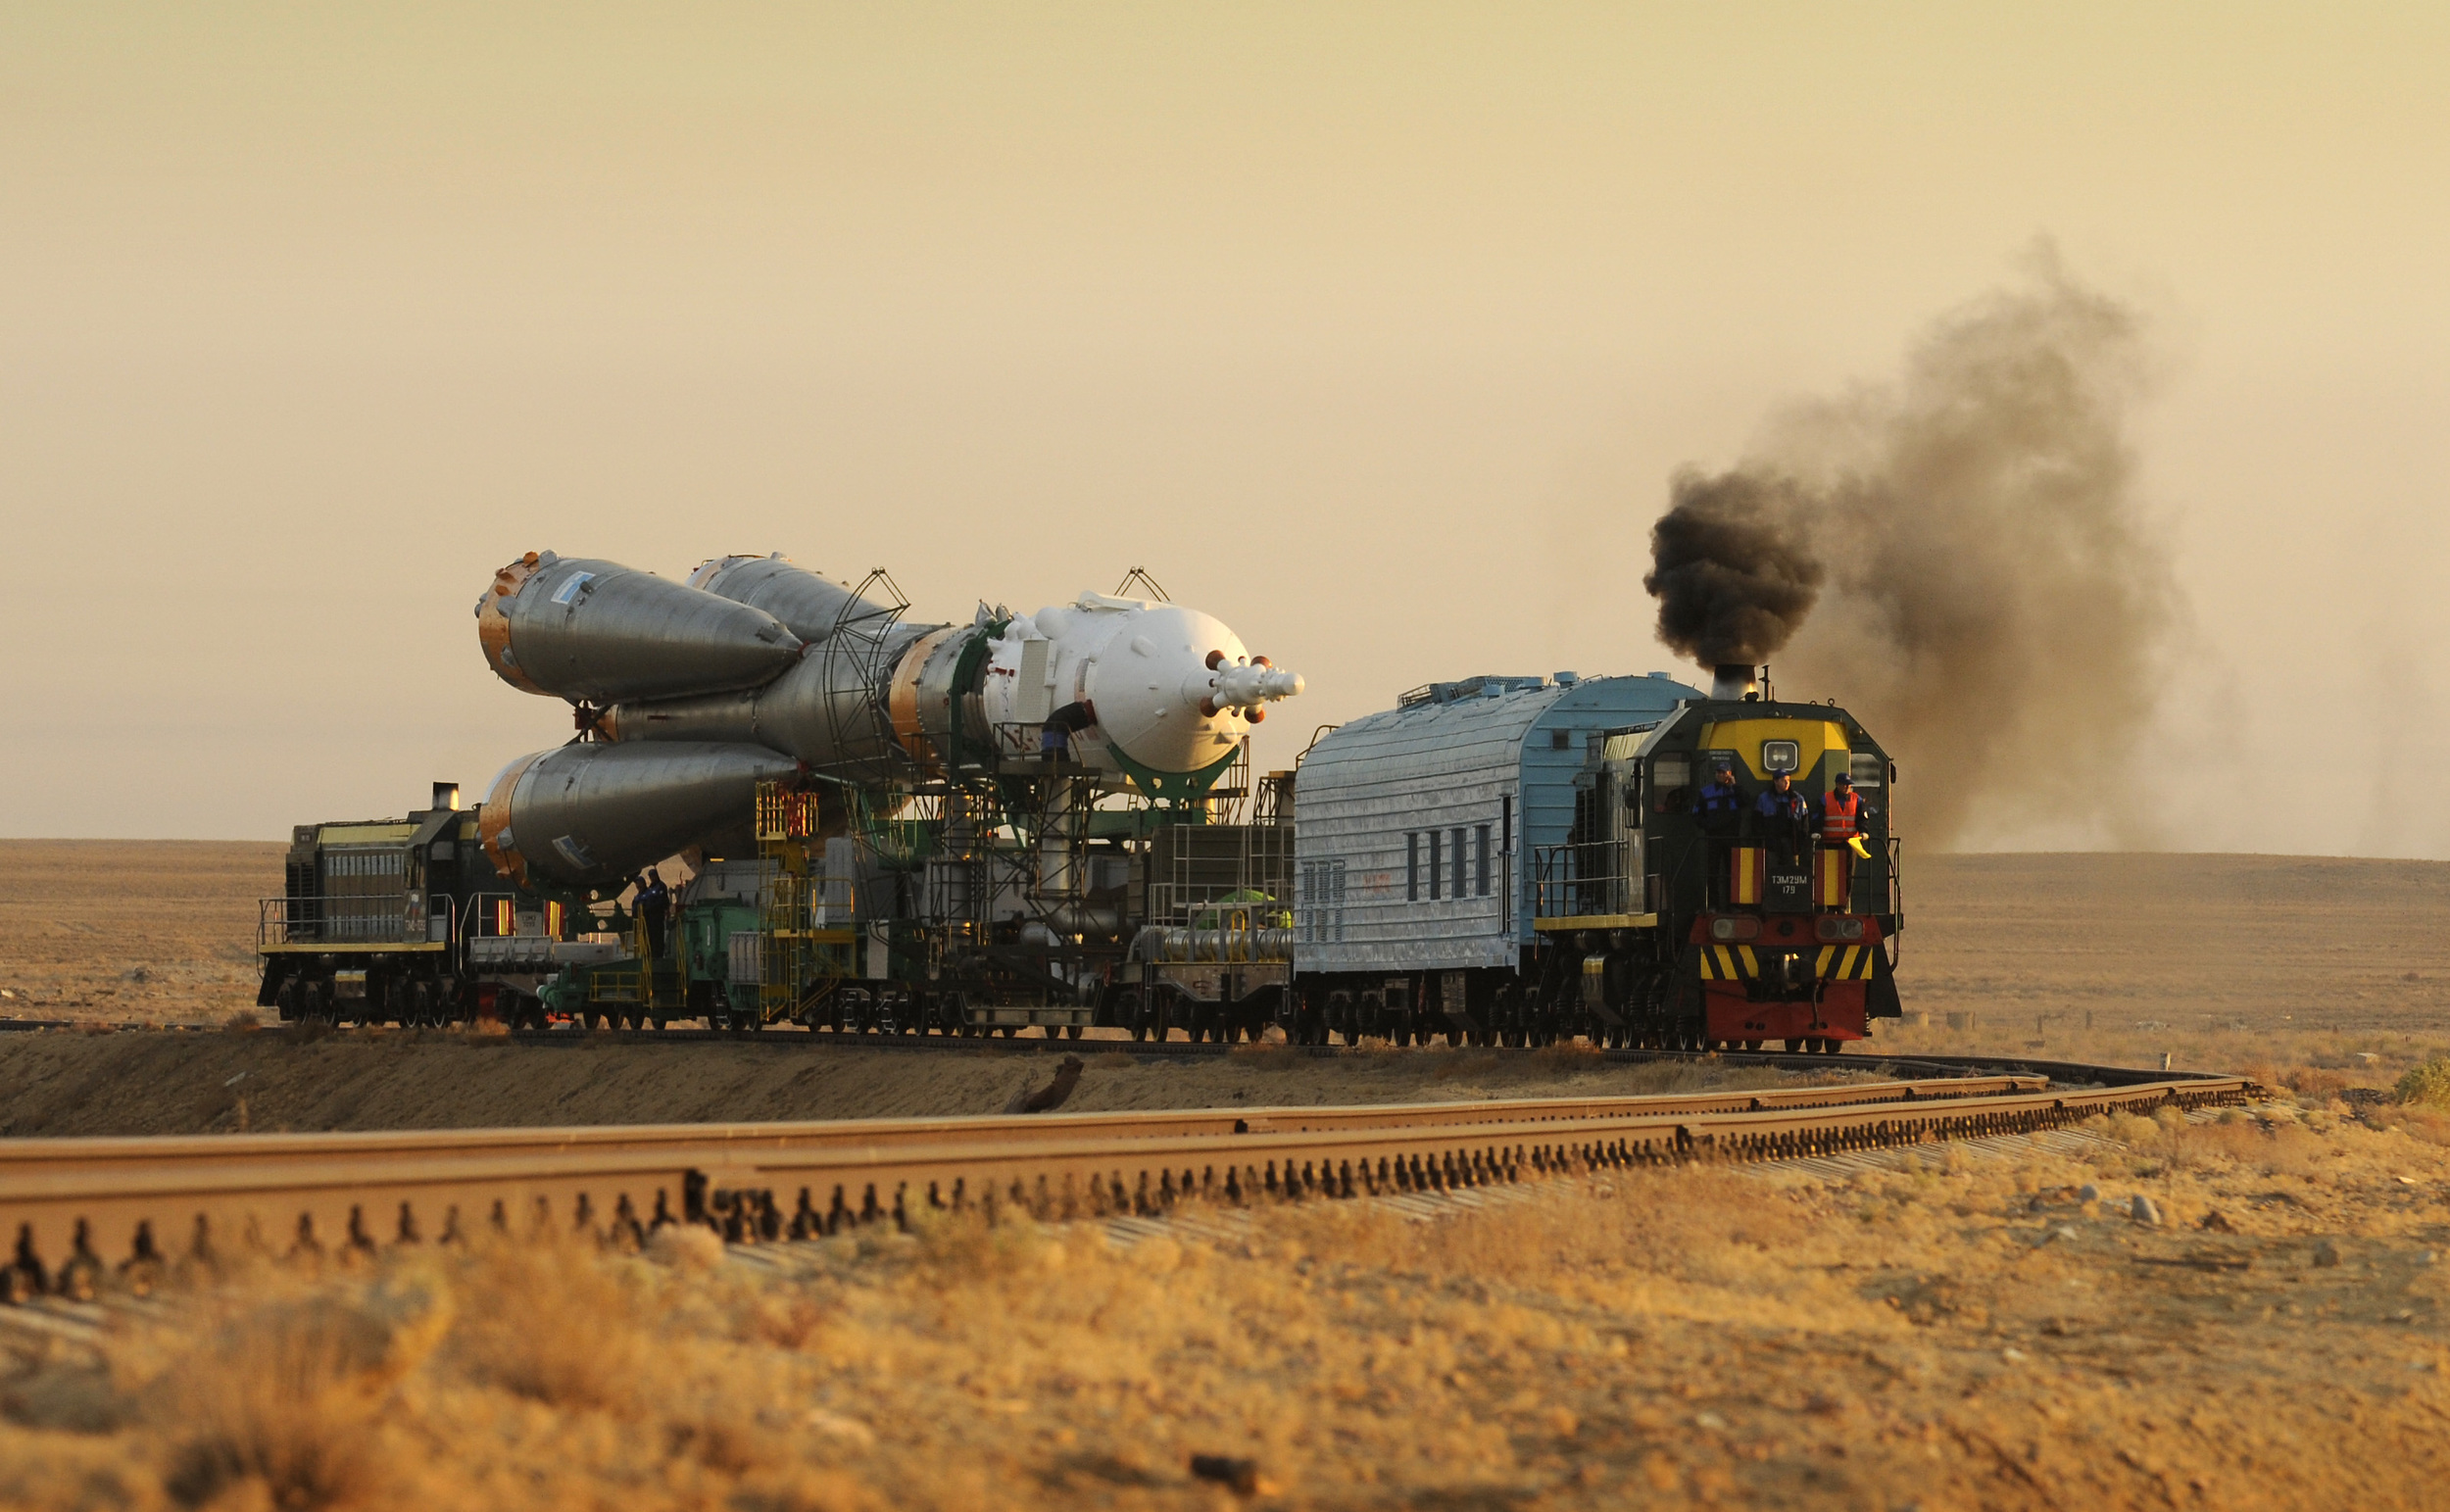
(1980, 1332)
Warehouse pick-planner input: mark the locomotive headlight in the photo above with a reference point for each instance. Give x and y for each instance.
(1738, 928)
(1834, 927)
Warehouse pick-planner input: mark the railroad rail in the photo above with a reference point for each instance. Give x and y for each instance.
(89, 1213)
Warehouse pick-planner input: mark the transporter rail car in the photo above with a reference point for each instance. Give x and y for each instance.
(966, 921)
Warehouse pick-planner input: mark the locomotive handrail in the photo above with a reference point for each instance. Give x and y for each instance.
(338, 920)
(1581, 879)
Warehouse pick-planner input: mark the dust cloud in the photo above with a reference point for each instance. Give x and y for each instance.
(1994, 603)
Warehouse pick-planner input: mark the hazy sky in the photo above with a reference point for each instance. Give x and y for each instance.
(1376, 331)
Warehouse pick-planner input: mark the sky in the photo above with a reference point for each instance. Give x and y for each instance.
(1377, 331)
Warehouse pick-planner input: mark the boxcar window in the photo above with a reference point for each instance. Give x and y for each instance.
(1436, 865)
(1560, 740)
(1505, 817)
(1479, 869)
(1412, 867)
(1456, 835)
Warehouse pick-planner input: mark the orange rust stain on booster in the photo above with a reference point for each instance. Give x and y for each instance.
(493, 626)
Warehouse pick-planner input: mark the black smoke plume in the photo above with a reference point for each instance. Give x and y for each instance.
(1994, 601)
(1730, 567)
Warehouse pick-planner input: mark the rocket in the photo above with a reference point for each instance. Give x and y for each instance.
(757, 669)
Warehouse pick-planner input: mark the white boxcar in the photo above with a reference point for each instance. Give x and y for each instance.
(1416, 824)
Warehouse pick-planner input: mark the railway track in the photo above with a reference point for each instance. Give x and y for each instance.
(1914, 1065)
(1927, 1065)
(91, 1213)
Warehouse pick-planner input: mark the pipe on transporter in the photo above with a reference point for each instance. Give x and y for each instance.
(1169, 943)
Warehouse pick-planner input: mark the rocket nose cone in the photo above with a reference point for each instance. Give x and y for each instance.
(1152, 691)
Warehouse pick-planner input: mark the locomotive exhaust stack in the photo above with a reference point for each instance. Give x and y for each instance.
(1735, 681)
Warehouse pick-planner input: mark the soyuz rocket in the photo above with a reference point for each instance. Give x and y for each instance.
(755, 670)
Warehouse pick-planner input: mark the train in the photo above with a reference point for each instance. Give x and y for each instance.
(1050, 823)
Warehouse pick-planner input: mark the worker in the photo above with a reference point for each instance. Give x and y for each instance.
(654, 911)
(1720, 809)
(1721, 805)
(1786, 818)
(1841, 831)
(1055, 741)
(1841, 812)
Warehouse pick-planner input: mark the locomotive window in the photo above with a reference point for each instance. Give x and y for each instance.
(1867, 769)
(1560, 740)
(1672, 771)
(1781, 756)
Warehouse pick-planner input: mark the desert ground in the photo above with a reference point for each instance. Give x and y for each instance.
(1983, 1328)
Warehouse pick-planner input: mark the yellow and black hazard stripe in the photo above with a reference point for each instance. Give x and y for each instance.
(1850, 963)
(1729, 963)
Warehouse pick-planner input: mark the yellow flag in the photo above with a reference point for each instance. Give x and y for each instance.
(1855, 844)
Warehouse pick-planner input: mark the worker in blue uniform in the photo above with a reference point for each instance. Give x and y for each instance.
(1721, 805)
(1055, 742)
(654, 910)
(1785, 818)
(1719, 811)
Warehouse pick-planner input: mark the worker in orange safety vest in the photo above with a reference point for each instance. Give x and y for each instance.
(1841, 829)
(1841, 815)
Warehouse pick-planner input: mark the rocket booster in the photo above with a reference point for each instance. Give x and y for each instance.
(764, 658)
(590, 815)
(596, 631)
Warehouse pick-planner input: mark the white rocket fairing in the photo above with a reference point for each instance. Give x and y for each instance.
(768, 660)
